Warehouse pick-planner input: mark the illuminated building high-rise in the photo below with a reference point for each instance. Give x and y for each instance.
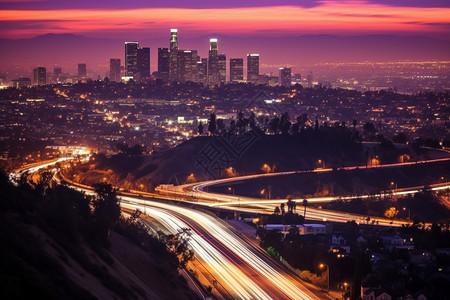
(285, 76)
(82, 72)
(173, 39)
(40, 76)
(202, 70)
(188, 65)
(213, 63)
(174, 58)
(309, 79)
(57, 72)
(222, 67)
(252, 68)
(143, 63)
(163, 63)
(236, 69)
(131, 58)
(114, 69)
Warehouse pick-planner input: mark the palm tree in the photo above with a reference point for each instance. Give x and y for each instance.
(305, 203)
(290, 204)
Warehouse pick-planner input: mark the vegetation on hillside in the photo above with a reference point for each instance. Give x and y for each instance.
(54, 238)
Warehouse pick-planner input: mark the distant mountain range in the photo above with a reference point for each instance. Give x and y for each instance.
(68, 49)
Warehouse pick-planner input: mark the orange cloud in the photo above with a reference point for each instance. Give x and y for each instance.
(330, 17)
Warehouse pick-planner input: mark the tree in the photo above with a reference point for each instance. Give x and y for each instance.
(220, 125)
(391, 213)
(400, 138)
(212, 126)
(277, 211)
(178, 244)
(354, 123)
(369, 130)
(200, 128)
(291, 205)
(305, 204)
(106, 208)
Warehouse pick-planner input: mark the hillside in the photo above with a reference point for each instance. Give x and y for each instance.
(208, 157)
(51, 250)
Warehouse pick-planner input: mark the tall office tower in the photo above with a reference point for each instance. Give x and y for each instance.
(309, 78)
(114, 69)
(82, 72)
(188, 65)
(222, 67)
(252, 68)
(163, 63)
(297, 78)
(57, 72)
(40, 76)
(213, 63)
(143, 63)
(236, 69)
(174, 58)
(173, 39)
(285, 76)
(202, 70)
(131, 57)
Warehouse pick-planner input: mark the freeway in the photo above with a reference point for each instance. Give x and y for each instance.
(242, 269)
(199, 194)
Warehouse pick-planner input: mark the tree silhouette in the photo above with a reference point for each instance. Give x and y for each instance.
(200, 128)
(106, 208)
(291, 204)
(212, 126)
(277, 211)
(305, 204)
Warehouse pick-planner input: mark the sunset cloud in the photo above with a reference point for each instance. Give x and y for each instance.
(334, 17)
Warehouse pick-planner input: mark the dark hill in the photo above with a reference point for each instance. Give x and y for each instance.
(209, 157)
(50, 251)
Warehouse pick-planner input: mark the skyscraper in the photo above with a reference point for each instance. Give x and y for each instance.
(173, 39)
(236, 69)
(285, 76)
(131, 57)
(114, 69)
(174, 59)
(213, 63)
(252, 68)
(188, 65)
(222, 67)
(143, 63)
(82, 72)
(202, 70)
(57, 72)
(163, 63)
(40, 76)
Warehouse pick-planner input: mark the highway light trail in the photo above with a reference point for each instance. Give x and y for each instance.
(245, 287)
(235, 281)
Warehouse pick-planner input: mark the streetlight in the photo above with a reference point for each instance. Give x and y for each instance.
(409, 212)
(262, 193)
(230, 189)
(321, 163)
(394, 184)
(266, 168)
(321, 266)
(347, 286)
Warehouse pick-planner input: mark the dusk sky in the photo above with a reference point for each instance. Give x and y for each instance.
(144, 19)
